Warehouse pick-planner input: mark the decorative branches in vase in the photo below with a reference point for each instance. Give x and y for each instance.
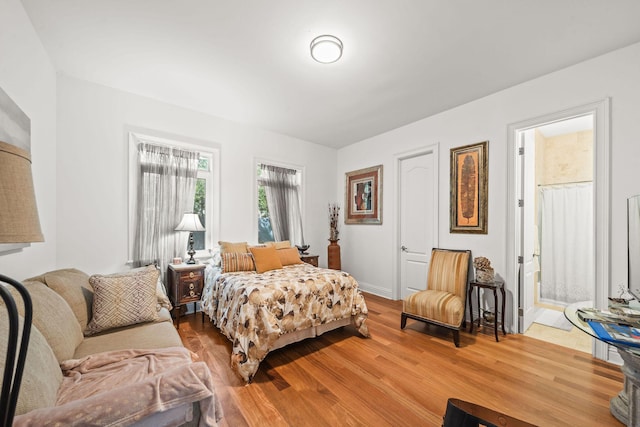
(334, 214)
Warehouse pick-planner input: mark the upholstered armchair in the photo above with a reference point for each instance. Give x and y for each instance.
(443, 301)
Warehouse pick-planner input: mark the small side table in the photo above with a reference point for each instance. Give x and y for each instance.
(310, 259)
(495, 286)
(186, 283)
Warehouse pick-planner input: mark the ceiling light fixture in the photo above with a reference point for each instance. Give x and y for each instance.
(326, 49)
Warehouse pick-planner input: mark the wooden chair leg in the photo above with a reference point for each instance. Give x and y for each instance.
(456, 337)
(403, 320)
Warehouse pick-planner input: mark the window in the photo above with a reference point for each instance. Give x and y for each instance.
(279, 192)
(207, 188)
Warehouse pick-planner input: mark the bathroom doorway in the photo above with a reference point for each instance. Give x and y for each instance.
(558, 227)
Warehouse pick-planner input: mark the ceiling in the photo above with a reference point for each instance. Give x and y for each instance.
(248, 61)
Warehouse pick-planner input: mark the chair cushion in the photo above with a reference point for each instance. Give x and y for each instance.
(440, 306)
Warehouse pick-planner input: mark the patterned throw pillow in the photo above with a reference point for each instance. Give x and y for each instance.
(232, 262)
(123, 299)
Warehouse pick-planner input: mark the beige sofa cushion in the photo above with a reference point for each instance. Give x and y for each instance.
(160, 334)
(123, 299)
(54, 319)
(72, 285)
(42, 376)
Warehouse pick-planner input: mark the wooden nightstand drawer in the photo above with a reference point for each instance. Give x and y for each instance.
(186, 283)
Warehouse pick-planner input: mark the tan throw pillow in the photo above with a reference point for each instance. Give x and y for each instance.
(42, 375)
(279, 245)
(233, 248)
(123, 299)
(289, 256)
(53, 318)
(72, 285)
(266, 258)
(237, 262)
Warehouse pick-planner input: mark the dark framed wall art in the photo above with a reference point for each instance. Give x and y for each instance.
(363, 194)
(469, 182)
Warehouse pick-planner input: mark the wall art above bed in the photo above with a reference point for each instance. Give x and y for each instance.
(363, 196)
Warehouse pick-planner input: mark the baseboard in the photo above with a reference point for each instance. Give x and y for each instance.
(376, 290)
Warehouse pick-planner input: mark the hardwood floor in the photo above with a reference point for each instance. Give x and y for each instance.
(404, 377)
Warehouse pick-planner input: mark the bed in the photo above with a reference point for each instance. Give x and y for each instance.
(261, 312)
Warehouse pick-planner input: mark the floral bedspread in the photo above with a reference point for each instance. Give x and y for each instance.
(253, 310)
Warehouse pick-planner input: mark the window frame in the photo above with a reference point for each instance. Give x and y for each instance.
(212, 203)
(300, 173)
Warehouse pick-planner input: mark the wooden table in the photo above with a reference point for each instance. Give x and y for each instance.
(626, 405)
(495, 286)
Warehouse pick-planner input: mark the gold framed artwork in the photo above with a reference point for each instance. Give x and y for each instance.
(363, 196)
(469, 182)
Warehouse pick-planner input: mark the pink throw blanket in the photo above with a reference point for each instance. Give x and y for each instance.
(118, 388)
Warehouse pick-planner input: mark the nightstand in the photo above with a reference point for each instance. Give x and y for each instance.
(186, 282)
(310, 259)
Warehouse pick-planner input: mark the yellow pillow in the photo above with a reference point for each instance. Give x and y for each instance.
(289, 256)
(279, 245)
(265, 258)
(233, 248)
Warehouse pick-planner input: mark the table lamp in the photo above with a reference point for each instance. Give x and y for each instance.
(19, 223)
(190, 222)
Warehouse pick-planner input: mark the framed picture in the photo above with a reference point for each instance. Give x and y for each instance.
(469, 189)
(363, 196)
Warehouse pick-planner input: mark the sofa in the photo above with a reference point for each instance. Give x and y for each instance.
(104, 351)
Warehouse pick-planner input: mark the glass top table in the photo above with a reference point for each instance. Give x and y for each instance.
(625, 406)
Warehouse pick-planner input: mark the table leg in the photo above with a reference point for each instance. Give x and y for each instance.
(504, 332)
(471, 308)
(495, 316)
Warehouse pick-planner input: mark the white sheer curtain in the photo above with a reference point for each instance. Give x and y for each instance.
(283, 201)
(566, 243)
(166, 190)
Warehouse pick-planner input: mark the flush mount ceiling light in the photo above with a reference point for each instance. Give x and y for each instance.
(326, 49)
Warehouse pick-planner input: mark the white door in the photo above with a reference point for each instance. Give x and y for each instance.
(529, 251)
(418, 219)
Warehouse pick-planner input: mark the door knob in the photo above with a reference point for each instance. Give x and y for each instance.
(403, 248)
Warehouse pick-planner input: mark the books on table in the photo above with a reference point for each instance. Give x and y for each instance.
(616, 333)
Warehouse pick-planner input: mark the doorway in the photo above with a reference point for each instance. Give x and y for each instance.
(522, 265)
(557, 228)
(416, 217)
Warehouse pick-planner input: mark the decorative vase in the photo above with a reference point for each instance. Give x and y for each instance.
(333, 252)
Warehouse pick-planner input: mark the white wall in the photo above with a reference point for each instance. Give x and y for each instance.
(368, 250)
(27, 76)
(93, 171)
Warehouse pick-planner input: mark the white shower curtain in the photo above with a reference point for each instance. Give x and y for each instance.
(566, 243)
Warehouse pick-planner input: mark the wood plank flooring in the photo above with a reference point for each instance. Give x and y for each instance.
(404, 377)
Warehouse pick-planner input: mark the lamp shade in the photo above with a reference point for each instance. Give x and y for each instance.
(190, 222)
(19, 221)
